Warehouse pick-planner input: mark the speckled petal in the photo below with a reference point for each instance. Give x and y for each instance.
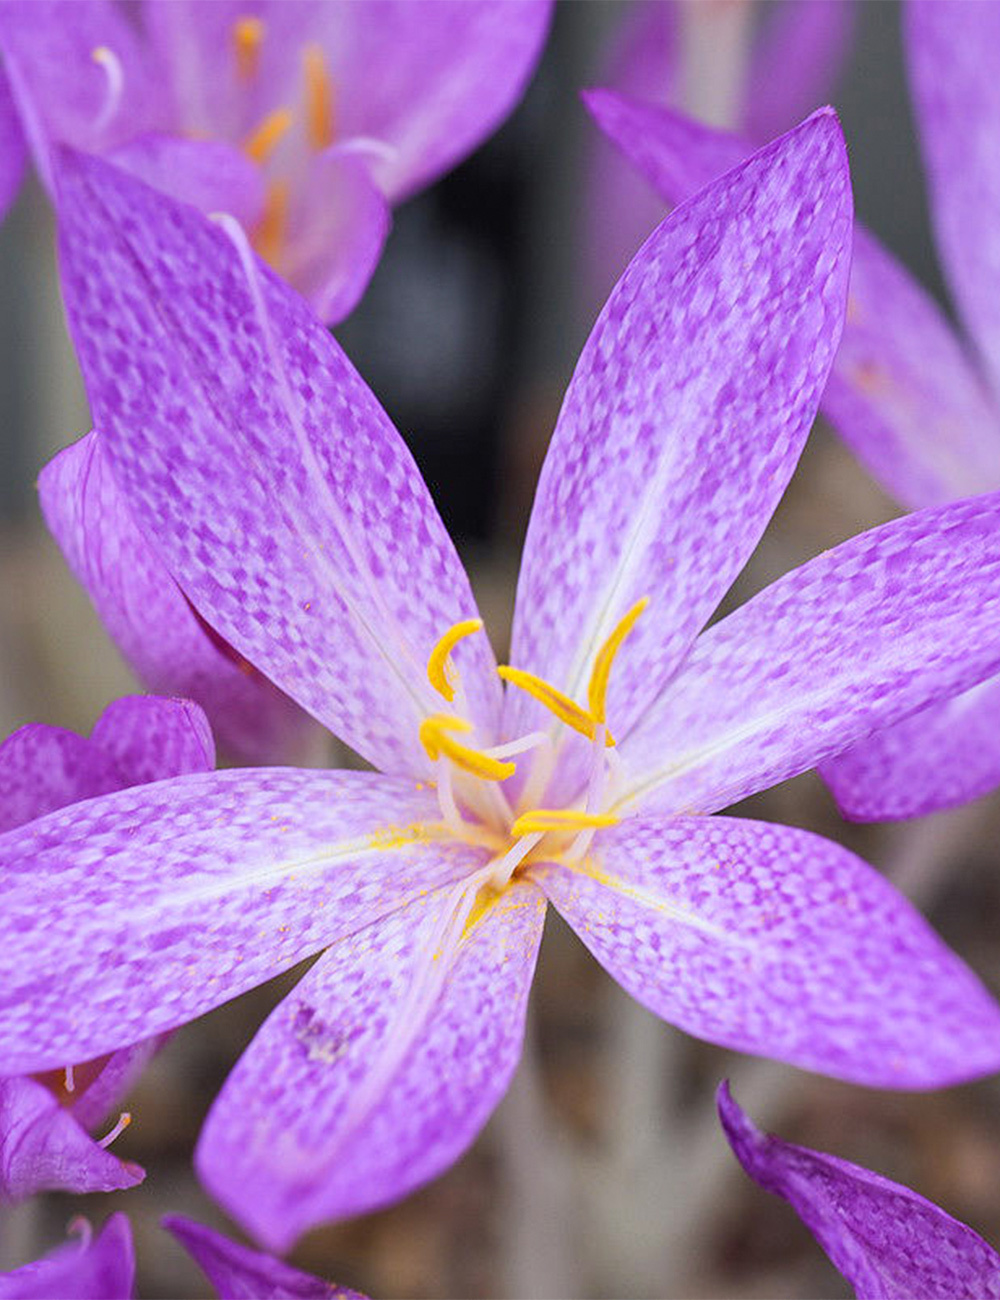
(278, 492)
(254, 870)
(102, 1268)
(771, 940)
(853, 641)
(12, 148)
(170, 648)
(238, 1273)
(377, 1071)
(956, 94)
(151, 738)
(210, 174)
(44, 1148)
(890, 1243)
(336, 233)
(44, 768)
(795, 63)
(941, 757)
(903, 393)
(684, 420)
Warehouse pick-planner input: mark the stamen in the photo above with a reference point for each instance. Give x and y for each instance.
(440, 670)
(502, 870)
(319, 97)
(262, 142)
(565, 709)
(248, 36)
(111, 66)
(435, 738)
(80, 1227)
(541, 820)
(269, 235)
(68, 1081)
(124, 1120)
(601, 672)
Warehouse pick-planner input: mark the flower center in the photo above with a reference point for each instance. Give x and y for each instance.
(471, 779)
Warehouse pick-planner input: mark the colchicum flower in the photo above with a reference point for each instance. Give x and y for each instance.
(916, 403)
(276, 491)
(305, 119)
(45, 1123)
(890, 1243)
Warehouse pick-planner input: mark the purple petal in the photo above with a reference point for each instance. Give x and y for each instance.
(170, 648)
(12, 148)
(903, 393)
(254, 870)
(336, 236)
(796, 63)
(853, 641)
(151, 738)
(98, 1269)
(431, 81)
(684, 420)
(890, 1243)
(956, 95)
(211, 175)
(278, 493)
(44, 768)
(238, 1273)
(939, 758)
(768, 939)
(377, 1071)
(43, 1147)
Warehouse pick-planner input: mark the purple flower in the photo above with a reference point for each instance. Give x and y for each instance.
(44, 1123)
(890, 1243)
(288, 508)
(305, 120)
(919, 406)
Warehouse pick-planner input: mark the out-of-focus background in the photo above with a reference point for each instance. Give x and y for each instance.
(604, 1173)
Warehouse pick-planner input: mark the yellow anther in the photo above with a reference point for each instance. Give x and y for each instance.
(542, 820)
(248, 35)
(319, 97)
(598, 689)
(440, 672)
(565, 709)
(262, 142)
(436, 738)
(269, 235)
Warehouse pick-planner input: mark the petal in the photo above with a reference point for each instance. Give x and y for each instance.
(432, 81)
(98, 1269)
(44, 1148)
(254, 871)
(238, 1273)
(44, 768)
(151, 738)
(277, 491)
(956, 96)
(211, 175)
(335, 239)
(12, 148)
(768, 939)
(890, 1243)
(939, 758)
(903, 393)
(796, 63)
(684, 420)
(853, 641)
(377, 1071)
(170, 648)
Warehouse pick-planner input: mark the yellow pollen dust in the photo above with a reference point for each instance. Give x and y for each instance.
(269, 235)
(319, 97)
(539, 821)
(440, 670)
(264, 139)
(248, 36)
(436, 738)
